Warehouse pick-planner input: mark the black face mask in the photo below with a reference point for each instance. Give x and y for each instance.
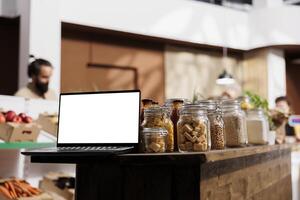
(42, 87)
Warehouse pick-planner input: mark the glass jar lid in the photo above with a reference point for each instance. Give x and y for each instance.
(256, 111)
(193, 109)
(150, 131)
(157, 110)
(210, 105)
(169, 102)
(147, 101)
(230, 104)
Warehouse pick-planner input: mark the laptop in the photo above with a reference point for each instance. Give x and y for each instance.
(98, 122)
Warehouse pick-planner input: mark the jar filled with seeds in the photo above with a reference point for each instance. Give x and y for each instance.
(154, 140)
(159, 117)
(235, 123)
(174, 105)
(217, 131)
(193, 129)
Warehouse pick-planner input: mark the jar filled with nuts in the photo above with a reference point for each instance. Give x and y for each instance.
(214, 114)
(159, 117)
(154, 140)
(235, 123)
(193, 131)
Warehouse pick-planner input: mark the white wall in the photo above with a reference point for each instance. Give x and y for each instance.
(277, 25)
(8, 8)
(276, 75)
(45, 35)
(24, 11)
(176, 19)
(40, 36)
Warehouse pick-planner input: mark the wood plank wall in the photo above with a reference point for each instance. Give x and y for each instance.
(113, 55)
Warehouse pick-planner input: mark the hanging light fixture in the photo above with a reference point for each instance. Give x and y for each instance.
(225, 78)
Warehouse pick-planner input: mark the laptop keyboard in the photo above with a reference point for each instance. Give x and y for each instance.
(92, 148)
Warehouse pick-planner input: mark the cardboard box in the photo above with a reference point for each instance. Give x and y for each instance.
(48, 184)
(49, 123)
(19, 132)
(42, 196)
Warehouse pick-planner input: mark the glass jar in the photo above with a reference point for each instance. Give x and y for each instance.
(257, 127)
(146, 103)
(193, 129)
(235, 123)
(158, 117)
(154, 140)
(174, 105)
(245, 103)
(214, 114)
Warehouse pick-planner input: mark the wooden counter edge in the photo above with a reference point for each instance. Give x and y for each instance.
(242, 152)
(216, 155)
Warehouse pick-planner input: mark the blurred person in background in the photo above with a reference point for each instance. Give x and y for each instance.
(283, 105)
(40, 72)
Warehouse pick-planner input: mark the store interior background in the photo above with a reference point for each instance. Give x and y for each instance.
(161, 40)
(168, 48)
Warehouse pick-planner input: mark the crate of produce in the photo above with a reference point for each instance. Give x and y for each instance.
(49, 123)
(59, 184)
(18, 189)
(18, 128)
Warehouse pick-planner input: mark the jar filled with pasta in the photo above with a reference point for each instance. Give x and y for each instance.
(159, 117)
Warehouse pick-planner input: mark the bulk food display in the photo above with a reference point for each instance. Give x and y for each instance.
(257, 127)
(159, 117)
(181, 126)
(214, 115)
(193, 129)
(154, 140)
(235, 123)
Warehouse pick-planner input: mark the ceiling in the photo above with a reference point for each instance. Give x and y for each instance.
(242, 4)
(235, 4)
(221, 2)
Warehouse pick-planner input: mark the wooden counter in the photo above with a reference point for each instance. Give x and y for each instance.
(258, 172)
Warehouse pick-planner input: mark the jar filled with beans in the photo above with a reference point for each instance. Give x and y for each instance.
(217, 130)
(235, 123)
(193, 131)
(159, 117)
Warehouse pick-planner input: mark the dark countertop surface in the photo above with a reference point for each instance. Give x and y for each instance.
(191, 157)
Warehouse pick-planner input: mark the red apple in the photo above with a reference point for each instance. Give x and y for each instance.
(2, 118)
(22, 115)
(27, 119)
(10, 116)
(17, 119)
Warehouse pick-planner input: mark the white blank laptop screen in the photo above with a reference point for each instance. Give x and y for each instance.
(99, 118)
